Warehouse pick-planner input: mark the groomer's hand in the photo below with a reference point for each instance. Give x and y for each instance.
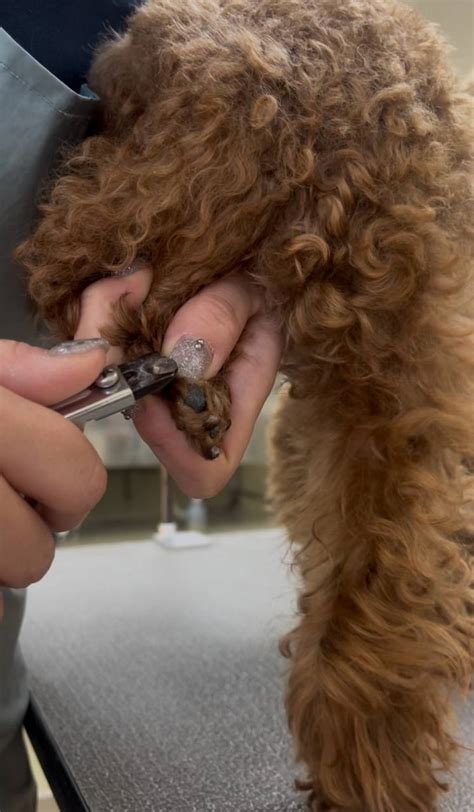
(50, 475)
(224, 314)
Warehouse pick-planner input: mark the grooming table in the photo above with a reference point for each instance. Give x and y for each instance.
(156, 681)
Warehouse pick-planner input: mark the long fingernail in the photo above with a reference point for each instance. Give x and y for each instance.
(193, 356)
(81, 345)
(129, 270)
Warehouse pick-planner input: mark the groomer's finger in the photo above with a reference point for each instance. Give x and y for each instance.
(47, 458)
(251, 379)
(26, 542)
(206, 329)
(50, 376)
(99, 298)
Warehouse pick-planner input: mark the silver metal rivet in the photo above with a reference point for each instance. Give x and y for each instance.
(107, 378)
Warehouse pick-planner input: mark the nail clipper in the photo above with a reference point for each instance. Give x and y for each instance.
(118, 388)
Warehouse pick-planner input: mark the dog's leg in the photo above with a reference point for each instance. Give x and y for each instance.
(384, 635)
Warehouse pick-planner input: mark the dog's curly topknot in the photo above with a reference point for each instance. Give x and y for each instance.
(321, 148)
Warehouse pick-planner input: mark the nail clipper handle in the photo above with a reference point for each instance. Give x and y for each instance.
(109, 394)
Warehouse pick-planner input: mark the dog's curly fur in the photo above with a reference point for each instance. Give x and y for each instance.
(322, 149)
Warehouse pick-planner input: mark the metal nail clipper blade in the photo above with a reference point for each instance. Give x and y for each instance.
(118, 388)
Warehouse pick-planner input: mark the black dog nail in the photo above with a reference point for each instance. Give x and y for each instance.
(214, 432)
(195, 398)
(213, 453)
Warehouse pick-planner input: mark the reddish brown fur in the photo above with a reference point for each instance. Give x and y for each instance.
(320, 147)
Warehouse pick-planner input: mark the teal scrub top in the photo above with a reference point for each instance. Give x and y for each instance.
(39, 115)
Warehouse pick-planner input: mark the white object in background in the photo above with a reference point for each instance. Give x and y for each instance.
(196, 515)
(167, 535)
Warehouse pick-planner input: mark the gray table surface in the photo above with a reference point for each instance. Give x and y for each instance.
(158, 676)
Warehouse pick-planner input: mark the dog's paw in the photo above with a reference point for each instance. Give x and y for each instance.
(201, 409)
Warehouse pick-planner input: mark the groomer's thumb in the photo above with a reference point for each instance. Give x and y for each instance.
(98, 300)
(47, 377)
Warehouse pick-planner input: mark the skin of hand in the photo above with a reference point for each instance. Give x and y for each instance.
(50, 475)
(225, 313)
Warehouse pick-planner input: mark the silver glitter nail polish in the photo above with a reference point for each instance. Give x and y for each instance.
(193, 356)
(128, 271)
(81, 345)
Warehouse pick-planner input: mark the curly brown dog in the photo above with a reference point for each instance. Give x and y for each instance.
(321, 147)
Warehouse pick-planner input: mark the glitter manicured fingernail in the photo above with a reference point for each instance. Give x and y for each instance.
(128, 271)
(193, 356)
(81, 345)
